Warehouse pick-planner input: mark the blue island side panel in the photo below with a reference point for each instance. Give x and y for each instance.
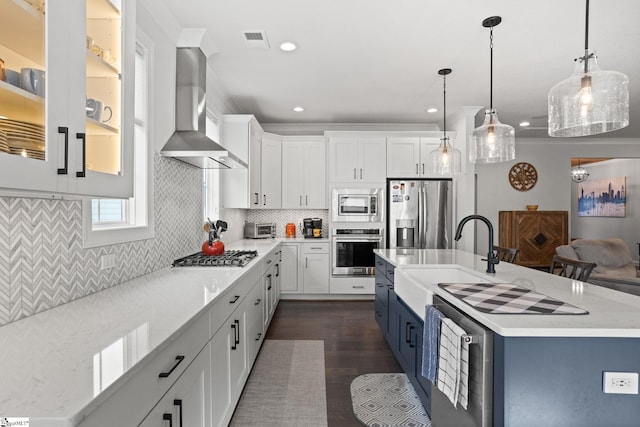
(557, 381)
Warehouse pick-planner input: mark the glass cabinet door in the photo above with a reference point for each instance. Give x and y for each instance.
(109, 52)
(31, 150)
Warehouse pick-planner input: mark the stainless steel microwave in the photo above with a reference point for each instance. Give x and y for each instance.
(357, 204)
(259, 230)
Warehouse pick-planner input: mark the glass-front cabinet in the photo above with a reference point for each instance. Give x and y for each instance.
(66, 96)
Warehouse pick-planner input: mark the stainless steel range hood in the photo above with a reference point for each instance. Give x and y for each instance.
(189, 142)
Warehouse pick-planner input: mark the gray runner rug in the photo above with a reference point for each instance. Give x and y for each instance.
(286, 387)
(387, 400)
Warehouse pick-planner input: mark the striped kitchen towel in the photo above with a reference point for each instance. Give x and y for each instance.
(430, 342)
(453, 363)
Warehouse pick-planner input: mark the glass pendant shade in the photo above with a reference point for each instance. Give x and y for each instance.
(589, 103)
(444, 160)
(579, 174)
(492, 142)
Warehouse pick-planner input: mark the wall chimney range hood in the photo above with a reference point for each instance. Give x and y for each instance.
(189, 142)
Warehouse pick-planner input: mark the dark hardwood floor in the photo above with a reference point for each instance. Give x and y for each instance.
(353, 345)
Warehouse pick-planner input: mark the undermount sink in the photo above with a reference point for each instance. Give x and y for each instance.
(413, 283)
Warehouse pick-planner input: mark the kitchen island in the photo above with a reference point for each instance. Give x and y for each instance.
(547, 368)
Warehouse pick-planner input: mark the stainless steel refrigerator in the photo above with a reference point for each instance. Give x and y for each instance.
(419, 213)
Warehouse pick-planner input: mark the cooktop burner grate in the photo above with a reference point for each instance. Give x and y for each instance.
(234, 258)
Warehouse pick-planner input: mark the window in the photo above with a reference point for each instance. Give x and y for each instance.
(109, 221)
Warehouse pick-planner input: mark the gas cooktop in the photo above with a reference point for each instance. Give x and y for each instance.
(234, 258)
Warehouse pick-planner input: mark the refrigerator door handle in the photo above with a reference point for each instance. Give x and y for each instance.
(419, 240)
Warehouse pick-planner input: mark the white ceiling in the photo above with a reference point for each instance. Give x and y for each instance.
(376, 61)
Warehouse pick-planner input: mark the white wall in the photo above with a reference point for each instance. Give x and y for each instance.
(552, 159)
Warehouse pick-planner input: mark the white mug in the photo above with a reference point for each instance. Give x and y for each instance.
(96, 108)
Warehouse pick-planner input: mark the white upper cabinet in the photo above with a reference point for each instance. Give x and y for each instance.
(408, 157)
(304, 173)
(68, 96)
(242, 135)
(271, 171)
(357, 159)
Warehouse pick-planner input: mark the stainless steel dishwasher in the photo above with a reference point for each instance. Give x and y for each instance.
(479, 412)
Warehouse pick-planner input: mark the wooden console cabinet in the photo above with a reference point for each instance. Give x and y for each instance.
(535, 233)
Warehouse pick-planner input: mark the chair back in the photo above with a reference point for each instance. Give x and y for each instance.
(506, 254)
(571, 268)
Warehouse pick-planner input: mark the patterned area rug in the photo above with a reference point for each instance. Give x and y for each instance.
(387, 400)
(286, 387)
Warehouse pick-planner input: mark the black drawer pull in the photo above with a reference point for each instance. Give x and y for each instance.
(407, 332)
(235, 333)
(259, 336)
(411, 345)
(257, 301)
(168, 417)
(179, 360)
(237, 322)
(83, 138)
(235, 298)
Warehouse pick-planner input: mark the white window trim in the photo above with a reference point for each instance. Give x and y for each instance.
(114, 235)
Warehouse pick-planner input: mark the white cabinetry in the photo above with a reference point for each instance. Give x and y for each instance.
(304, 173)
(289, 271)
(357, 159)
(255, 306)
(270, 172)
(188, 402)
(84, 53)
(316, 268)
(408, 157)
(242, 134)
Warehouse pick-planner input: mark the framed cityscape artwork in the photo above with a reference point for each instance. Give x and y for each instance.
(603, 197)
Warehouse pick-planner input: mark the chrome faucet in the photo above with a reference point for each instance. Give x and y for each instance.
(492, 258)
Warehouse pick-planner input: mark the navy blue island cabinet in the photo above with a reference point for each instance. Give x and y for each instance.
(537, 381)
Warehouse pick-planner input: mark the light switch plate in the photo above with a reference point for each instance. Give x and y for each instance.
(620, 382)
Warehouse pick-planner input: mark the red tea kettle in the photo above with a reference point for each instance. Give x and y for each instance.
(213, 245)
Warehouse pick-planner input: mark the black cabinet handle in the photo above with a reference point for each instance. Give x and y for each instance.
(237, 322)
(380, 285)
(168, 417)
(83, 137)
(235, 298)
(65, 131)
(179, 360)
(233, 346)
(257, 202)
(407, 331)
(178, 403)
(277, 270)
(257, 301)
(269, 278)
(411, 345)
(259, 336)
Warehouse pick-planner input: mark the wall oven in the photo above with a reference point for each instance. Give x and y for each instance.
(353, 251)
(357, 204)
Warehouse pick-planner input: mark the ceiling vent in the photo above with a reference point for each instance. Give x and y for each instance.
(256, 39)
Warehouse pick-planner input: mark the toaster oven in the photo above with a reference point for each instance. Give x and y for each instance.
(259, 230)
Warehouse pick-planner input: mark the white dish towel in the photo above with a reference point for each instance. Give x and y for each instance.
(453, 363)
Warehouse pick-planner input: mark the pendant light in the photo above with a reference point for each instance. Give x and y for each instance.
(591, 101)
(579, 174)
(493, 141)
(444, 160)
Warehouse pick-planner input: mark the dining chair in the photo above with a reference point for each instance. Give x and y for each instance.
(571, 268)
(506, 254)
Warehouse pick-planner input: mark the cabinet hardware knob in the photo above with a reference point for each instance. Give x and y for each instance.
(179, 360)
(65, 131)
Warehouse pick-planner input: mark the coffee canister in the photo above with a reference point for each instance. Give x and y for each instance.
(290, 230)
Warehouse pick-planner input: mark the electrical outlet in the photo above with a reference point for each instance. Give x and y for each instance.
(620, 382)
(108, 261)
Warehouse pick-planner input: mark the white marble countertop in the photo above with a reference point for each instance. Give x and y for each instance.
(47, 360)
(611, 313)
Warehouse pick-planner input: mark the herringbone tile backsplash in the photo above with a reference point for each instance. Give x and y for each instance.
(43, 264)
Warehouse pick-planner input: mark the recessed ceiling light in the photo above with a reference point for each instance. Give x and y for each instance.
(432, 110)
(524, 124)
(288, 46)
(298, 109)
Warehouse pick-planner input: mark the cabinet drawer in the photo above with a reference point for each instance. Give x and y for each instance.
(270, 260)
(319, 247)
(133, 400)
(230, 300)
(353, 286)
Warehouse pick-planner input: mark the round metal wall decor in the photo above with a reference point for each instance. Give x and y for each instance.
(523, 176)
